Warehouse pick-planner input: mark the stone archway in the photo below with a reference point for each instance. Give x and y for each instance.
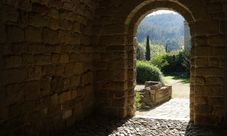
(206, 88)
(139, 13)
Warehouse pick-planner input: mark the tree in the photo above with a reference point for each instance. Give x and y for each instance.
(148, 52)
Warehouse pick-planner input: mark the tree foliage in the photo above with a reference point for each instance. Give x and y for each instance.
(148, 51)
(163, 28)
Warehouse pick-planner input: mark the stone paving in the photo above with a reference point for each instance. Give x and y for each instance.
(138, 126)
(168, 119)
(176, 108)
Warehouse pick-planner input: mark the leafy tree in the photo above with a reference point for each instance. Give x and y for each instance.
(157, 50)
(148, 51)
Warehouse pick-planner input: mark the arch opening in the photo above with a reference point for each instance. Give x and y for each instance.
(159, 105)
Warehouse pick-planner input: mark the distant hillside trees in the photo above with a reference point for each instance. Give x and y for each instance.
(162, 29)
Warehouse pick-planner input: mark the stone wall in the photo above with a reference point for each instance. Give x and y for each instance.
(62, 58)
(47, 65)
(153, 94)
(116, 29)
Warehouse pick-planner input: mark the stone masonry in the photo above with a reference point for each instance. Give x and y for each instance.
(62, 60)
(154, 93)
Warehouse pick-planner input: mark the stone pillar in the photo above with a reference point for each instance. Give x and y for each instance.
(187, 36)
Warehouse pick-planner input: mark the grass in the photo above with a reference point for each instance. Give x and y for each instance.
(138, 104)
(177, 76)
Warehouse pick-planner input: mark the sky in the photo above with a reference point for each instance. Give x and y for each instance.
(161, 12)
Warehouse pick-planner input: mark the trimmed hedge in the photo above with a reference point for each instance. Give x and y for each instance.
(147, 72)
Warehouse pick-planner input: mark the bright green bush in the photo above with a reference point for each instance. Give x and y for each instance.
(147, 72)
(159, 61)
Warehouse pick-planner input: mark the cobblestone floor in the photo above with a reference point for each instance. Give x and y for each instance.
(138, 126)
(176, 108)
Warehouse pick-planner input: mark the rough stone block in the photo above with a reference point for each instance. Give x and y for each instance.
(205, 28)
(66, 84)
(54, 99)
(215, 91)
(59, 70)
(64, 58)
(31, 89)
(62, 97)
(42, 9)
(74, 94)
(57, 83)
(54, 24)
(69, 69)
(203, 51)
(215, 72)
(87, 78)
(33, 34)
(28, 106)
(45, 85)
(219, 101)
(215, 81)
(205, 119)
(217, 40)
(34, 73)
(13, 61)
(10, 13)
(200, 80)
(201, 62)
(38, 20)
(15, 33)
(53, 12)
(65, 24)
(67, 114)
(203, 109)
(27, 59)
(50, 36)
(219, 111)
(14, 109)
(200, 101)
(219, 51)
(41, 59)
(49, 70)
(24, 4)
(55, 58)
(12, 76)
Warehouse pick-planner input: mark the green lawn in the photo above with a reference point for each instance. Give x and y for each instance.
(177, 76)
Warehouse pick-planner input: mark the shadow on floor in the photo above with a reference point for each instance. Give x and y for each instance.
(104, 126)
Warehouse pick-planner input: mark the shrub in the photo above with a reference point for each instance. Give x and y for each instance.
(147, 72)
(159, 61)
(175, 60)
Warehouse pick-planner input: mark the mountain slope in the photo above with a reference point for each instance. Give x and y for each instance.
(163, 29)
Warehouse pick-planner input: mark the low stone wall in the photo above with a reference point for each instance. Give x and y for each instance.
(154, 93)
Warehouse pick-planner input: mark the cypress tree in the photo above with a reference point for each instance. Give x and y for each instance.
(148, 51)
